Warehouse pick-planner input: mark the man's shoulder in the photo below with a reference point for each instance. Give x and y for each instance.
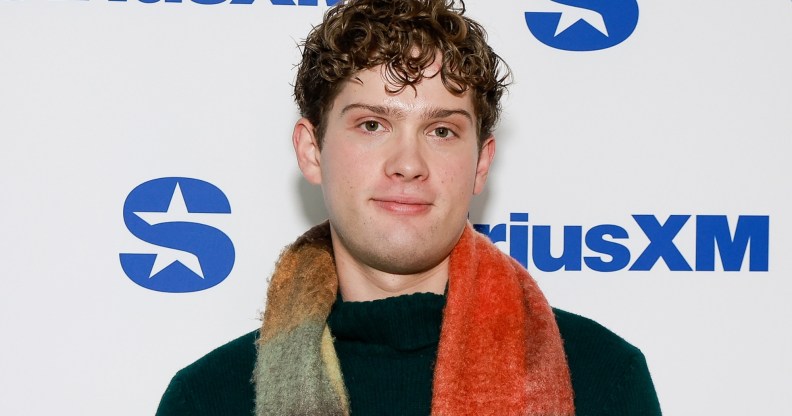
(219, 383)
(609, 375)
(592, 349)
(581, 332)
(240, 352)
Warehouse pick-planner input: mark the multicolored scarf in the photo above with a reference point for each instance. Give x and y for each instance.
(500, 351)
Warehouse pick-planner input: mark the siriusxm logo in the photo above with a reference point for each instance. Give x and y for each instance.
(712, 235)
(303, 2)
(582, 25)
(171, 213)
(274, 2)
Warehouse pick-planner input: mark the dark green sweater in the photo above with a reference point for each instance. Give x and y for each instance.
(387, 350)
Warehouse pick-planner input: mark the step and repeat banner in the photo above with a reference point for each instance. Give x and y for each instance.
(148, 183)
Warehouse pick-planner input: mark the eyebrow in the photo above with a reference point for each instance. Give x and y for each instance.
(445, 112)
(429, 114)
(376, 109)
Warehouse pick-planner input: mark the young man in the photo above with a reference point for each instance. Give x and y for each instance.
(395, 306)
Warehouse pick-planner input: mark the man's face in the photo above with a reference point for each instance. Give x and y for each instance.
(397, 171)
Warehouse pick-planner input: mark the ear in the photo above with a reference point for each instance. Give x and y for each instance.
(306, 148)
(485, 157)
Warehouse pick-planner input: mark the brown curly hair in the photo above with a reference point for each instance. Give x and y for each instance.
(405, 37)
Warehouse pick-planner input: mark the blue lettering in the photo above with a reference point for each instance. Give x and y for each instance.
(274, 2)
(518, 238)
(661, 243)
(303, 2)
(595, 241)
(497, 234)
(712, 230)
(571, 257)
(204, 2)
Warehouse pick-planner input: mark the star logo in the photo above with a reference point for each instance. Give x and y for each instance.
(174, 215)
(570, 15)
(177, 212)
(581, 25)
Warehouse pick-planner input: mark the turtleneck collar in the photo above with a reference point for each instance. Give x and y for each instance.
(402, 323)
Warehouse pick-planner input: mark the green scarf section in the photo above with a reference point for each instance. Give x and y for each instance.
(297, 371)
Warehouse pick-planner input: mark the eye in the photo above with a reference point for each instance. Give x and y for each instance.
(371, 125)
(443, 132)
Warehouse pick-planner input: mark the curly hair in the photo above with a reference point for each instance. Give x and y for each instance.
(405, 36)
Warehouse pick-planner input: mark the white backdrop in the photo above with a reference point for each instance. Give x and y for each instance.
(689, 116)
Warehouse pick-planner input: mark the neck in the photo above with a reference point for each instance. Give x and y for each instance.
(358, 282)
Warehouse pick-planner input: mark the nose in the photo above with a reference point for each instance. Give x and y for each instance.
(406, 160)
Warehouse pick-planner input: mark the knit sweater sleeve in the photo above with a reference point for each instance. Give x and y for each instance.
(176, 399)
(633, 392)
(218, 384)
(610, 377)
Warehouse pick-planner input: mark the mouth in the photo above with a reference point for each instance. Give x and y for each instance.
(403, 205)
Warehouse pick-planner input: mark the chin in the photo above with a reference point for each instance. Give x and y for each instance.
(407, 259)
(408, 266)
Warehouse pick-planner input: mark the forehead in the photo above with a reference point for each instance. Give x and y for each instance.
(372, 87)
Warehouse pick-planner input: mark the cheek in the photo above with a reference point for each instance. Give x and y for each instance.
(458, 173)
(343, 172)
